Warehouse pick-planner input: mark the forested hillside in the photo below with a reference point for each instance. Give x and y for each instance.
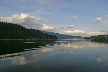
(15, 31)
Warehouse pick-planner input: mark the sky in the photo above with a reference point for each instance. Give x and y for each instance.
(70, 17)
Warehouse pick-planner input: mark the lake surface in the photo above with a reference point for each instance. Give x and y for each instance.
(56, 56)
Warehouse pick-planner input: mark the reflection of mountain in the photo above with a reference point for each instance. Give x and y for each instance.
(62, 36)
(16, 46)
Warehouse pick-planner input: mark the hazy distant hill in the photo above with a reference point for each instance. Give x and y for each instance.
(62, 36)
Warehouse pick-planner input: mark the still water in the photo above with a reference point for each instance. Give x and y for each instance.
(56, 56)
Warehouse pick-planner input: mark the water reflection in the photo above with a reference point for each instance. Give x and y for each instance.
(57, 56)
(44, 50)
(71, 51)
(9, 55)
(16, 46)
(27, 56)
(73, 60)
(98, 59)
(81, 44)
(19, 60)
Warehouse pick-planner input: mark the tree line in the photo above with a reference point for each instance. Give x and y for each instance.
(100, 38)
(15, 31)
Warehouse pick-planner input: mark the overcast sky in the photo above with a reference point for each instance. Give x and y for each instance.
(72, 17)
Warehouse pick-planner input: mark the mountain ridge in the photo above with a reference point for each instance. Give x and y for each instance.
(62, 36)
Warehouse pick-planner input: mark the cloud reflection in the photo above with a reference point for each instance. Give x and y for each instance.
(44, 50)
(27, 56)
(19, 60)
(98, 59)
(81, 44)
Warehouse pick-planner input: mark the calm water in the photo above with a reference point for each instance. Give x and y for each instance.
(57, 56)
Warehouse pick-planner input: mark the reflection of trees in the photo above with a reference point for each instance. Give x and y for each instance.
(27, 56)
(9, 55)
(16, 46)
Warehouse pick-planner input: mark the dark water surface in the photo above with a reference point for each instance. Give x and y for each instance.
(57, 56)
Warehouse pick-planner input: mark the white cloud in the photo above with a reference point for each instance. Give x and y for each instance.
(103, 20)
(27, 21)
(70, 26)
(97, 19)
(45, 27)
(97, 33)
(75, 32)
(73, 17)
(22, 18)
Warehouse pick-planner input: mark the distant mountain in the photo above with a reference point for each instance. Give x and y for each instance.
(62, 36)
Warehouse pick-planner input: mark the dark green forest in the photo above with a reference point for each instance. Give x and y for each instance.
(15, 31)
(100, 38)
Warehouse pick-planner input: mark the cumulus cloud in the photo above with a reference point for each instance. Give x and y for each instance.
(27, 21)
(97, 33)
(73, 17)
(75, 32)
(22, 18)
(97, 19)
(46, 2)
(45, 27)
(103, 20)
